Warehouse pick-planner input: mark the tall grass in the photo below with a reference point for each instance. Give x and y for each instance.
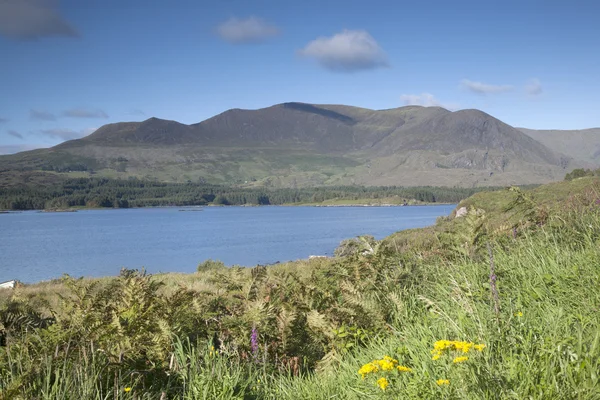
(545, 344)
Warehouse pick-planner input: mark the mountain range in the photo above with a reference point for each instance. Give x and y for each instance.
(299, 144)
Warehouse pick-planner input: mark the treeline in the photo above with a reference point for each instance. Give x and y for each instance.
(112, 193)
(580, 173)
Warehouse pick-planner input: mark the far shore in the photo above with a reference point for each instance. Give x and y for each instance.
(187, 207)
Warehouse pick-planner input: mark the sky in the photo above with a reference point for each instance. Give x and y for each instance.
(68, 67)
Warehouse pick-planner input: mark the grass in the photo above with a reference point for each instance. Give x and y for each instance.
(318, 322)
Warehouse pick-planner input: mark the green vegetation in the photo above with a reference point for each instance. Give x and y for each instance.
(580, 173)
(208, 265)
(103, 192)
(500, 303)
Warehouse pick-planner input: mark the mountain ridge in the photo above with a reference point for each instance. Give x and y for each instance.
(302, 144)
(582, 144)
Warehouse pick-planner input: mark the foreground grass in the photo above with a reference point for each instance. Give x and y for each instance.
(529, 291)
(544, 343)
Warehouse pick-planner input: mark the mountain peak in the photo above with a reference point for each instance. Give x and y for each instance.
(296, 143)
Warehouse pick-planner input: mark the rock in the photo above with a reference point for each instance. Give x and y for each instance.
(461, 212)
(8, 285)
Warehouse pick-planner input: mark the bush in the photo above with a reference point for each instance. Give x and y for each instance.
(360, 244)
(210, 264)
(580, 173)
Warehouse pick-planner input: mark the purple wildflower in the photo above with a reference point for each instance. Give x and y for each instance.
(254, 342)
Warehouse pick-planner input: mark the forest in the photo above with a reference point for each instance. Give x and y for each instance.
(114, 193)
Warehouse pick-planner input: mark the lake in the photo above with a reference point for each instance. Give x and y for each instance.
(38, 246)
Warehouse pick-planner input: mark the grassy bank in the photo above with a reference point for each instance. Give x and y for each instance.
(513, 286)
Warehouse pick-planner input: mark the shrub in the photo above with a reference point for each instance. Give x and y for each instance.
(210, 264)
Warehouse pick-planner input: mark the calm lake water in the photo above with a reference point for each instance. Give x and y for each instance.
(37, 246)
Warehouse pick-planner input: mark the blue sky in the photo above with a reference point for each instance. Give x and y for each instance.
(72, 66)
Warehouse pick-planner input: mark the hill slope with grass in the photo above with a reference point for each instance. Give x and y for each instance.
(581, 144)
(299, 145)
(501, 299)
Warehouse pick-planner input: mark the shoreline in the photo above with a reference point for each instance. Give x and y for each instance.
(199, 207)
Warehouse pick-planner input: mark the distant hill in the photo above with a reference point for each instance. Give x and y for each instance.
(581, 144)
(298, 144)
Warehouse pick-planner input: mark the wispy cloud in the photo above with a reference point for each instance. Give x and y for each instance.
(136, 111)
(33, 19)
(485, 88)
(426, 100)
(246, 30)
(67, 134)
(347, 51)
(41, 115)
(3, 120)
(534, 87)
(15, 134)
(16, 148)
(83, 113)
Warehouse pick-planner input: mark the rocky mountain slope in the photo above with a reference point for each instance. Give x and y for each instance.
(298, 144)
(581, 144)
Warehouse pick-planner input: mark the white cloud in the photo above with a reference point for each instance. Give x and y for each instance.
(534, 87)
(426, 100)
(248, 30)
(484, 88)
(347, 51)
(83, 113)
(33, 19)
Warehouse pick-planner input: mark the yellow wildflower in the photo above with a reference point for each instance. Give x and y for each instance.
(368, 368)
(442, 345)
(390, 359)
(518, 314)
(402, 368)
(441, 382)
(382, 383)
(127, 389)
(463, 346)
(479, 347)
(460, 359)
(385, 365)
